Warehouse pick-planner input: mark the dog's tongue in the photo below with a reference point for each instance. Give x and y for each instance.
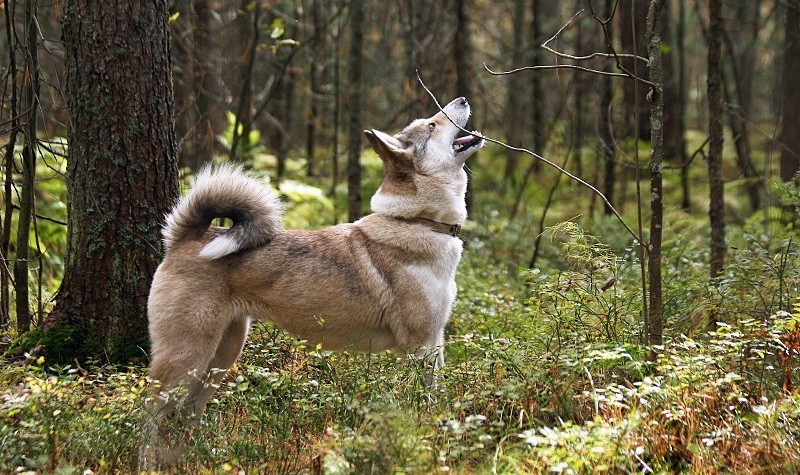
(463, 140)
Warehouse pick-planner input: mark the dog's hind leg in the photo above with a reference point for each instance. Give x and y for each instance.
(228, 351)
(183, 347)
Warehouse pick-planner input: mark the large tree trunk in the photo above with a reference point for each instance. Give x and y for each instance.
(715, 177)
(122, 176)
(790, 134)
(355, 132)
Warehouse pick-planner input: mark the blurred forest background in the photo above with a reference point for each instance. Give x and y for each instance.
(648, 196)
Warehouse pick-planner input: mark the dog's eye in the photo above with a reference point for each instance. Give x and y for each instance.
(432, 126)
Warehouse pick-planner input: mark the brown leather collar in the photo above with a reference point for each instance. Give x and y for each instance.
(444, 228)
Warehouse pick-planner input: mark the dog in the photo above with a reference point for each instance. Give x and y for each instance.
(384, 282)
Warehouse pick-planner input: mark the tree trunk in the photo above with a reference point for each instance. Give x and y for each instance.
(633, 15)
(680, 111)
(515, 93)
(715, 177)
(790, 133)
(249, 37)
(580, 98)
(461, 50)
(604, 123)
(21, 275)
(538, 36)
(211, 119)
(122, 176)
(8, 171)
(355, 132)
(673, 108)
(655, 321)
(741, 142)
(314, 65)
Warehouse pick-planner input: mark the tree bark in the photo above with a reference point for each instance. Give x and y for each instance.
(604, 123)
(515, 93)
(461, 55)
(790, 132)
(314, 66)
(355, 132)
(122, 176)
(715, 116)
(633, 15)
(655, 320)
(210, 116)
(21, 275)
(680, 111)
(8, 164)
(539, 10)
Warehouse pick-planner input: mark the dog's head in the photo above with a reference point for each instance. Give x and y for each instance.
(424, 166)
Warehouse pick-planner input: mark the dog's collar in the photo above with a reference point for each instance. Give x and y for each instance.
(444, 228)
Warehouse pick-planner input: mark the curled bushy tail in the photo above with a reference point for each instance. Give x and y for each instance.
(225, 192)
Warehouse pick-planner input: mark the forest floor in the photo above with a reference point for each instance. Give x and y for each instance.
(544, 371)
(543, 375)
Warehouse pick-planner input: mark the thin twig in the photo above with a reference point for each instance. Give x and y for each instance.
(536, 156)
(589, 56)
(553, 66)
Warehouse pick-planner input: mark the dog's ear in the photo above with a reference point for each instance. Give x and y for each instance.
(388, 148)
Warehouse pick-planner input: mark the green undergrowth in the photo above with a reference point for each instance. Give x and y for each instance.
(544, 374)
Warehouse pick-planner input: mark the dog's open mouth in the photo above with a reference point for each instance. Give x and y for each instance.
(461, 144)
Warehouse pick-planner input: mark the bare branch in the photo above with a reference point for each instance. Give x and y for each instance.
(589, 56)
(536, 156)
(553, 66)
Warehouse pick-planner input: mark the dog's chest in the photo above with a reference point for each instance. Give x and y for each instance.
(436, 279)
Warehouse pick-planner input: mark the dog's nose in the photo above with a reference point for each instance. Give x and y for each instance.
(462, 101)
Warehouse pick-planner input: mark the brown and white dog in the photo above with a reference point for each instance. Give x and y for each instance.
(384, 282)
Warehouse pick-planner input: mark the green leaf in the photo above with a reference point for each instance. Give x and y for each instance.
(278, 28)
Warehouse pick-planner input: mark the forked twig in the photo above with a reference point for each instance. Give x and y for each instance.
(536, 156)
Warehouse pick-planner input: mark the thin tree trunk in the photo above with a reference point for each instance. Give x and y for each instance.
(8, 161)
(122, 176)
(337, 113)
(285, 142)
(461, 50)
(715, 177)
(741, 142)
(210, 118)
(355, 131)
(580, 97)
(243, 109)
(21, 265)
(790, 132)
(537, 88)
(681, 109)
(604, 123)
(514, 93)
(632, 17)
(655, 323)
(313, 83)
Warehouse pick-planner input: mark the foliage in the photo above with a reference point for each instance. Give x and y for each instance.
(547, 383)
(48, 236)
